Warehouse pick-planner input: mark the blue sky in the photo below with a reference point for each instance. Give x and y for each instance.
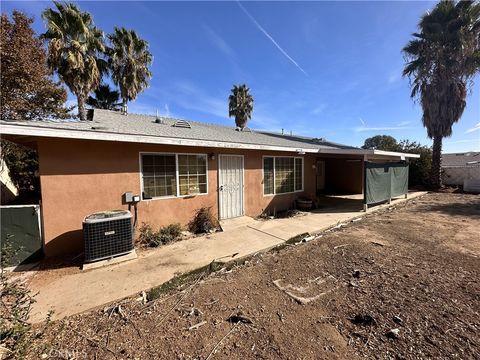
(323, 69)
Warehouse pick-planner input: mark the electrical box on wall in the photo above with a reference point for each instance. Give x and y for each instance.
(127, 198)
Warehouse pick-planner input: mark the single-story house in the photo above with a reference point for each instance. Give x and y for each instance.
(461, 169)
(177, 166)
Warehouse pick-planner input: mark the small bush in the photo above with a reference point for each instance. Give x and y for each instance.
(204, 221)
(165, 235)
(170, 233)
(148, 236)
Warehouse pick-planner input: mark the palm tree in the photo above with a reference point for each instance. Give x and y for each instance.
(105, 98)
(74, 50)
(441, 62)
(129, 62)
(240, 105)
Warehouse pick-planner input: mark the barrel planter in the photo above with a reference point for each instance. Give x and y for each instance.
(304, 204)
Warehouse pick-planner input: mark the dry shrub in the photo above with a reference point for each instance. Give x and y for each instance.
(16, 334)
(153, 238)
(170, 233)
(204, 221)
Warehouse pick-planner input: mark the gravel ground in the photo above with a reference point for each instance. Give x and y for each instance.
(403, 283)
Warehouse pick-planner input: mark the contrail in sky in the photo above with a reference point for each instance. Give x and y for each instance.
(255, 22)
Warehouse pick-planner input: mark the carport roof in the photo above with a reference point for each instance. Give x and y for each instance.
(113, 126)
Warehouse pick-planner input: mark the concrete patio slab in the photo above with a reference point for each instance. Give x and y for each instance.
(237, 222)
(74, 293)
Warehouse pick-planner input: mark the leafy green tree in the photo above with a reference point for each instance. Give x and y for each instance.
(419, 169)
(27, 89)
(105, 98)
(75, 50)
(240, 105)
(129, 60)
(441, 61)
(381, 142)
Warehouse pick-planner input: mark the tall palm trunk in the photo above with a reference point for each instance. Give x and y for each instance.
(124, 106)
(436, 175)
(82, 113)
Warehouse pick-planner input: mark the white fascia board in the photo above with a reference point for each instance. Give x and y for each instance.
(23, 130)
(393, 153)
(368, 152)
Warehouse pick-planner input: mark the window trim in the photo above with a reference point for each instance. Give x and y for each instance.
(177, 196)
(274, 175)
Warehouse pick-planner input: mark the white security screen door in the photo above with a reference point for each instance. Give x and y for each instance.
(230, 186)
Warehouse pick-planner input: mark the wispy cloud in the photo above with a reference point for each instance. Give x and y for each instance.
(319, 109)
(380, 128)
(192, 97)
(255, 22)
(219, 42)
(474, 128)
(393, 78)
(167, 110)
(364, 128)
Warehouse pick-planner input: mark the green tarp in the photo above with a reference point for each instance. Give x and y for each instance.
(385, 181)
(20, 241)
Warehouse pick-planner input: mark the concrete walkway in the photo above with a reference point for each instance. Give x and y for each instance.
(81, 291)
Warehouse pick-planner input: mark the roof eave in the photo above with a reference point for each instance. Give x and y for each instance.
(27, 130)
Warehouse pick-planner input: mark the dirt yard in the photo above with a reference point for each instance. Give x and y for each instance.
(403, 283)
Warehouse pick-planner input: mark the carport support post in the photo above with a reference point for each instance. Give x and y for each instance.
(390, 191)
(408, 177)
(365, 205)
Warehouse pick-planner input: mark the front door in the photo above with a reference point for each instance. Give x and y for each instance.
(230, 186)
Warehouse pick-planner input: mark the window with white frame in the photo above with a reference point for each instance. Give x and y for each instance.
(165, 175)
(282, 175)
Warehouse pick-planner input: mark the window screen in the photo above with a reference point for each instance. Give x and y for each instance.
(159, 176)
(282, 175)
(298, 174)
(268, 175)
(192, 174)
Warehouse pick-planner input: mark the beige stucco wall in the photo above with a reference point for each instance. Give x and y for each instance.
(457, 175)
(79, 177)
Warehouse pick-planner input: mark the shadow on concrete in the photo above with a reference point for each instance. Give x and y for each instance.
(337, 204)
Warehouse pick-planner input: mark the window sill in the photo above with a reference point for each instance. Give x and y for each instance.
(287, 193)
(175, 197)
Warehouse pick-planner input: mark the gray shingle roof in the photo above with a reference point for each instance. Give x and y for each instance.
(461, 159)
(105, 121)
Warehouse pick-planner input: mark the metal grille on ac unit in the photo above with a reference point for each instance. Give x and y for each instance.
(107, 234)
